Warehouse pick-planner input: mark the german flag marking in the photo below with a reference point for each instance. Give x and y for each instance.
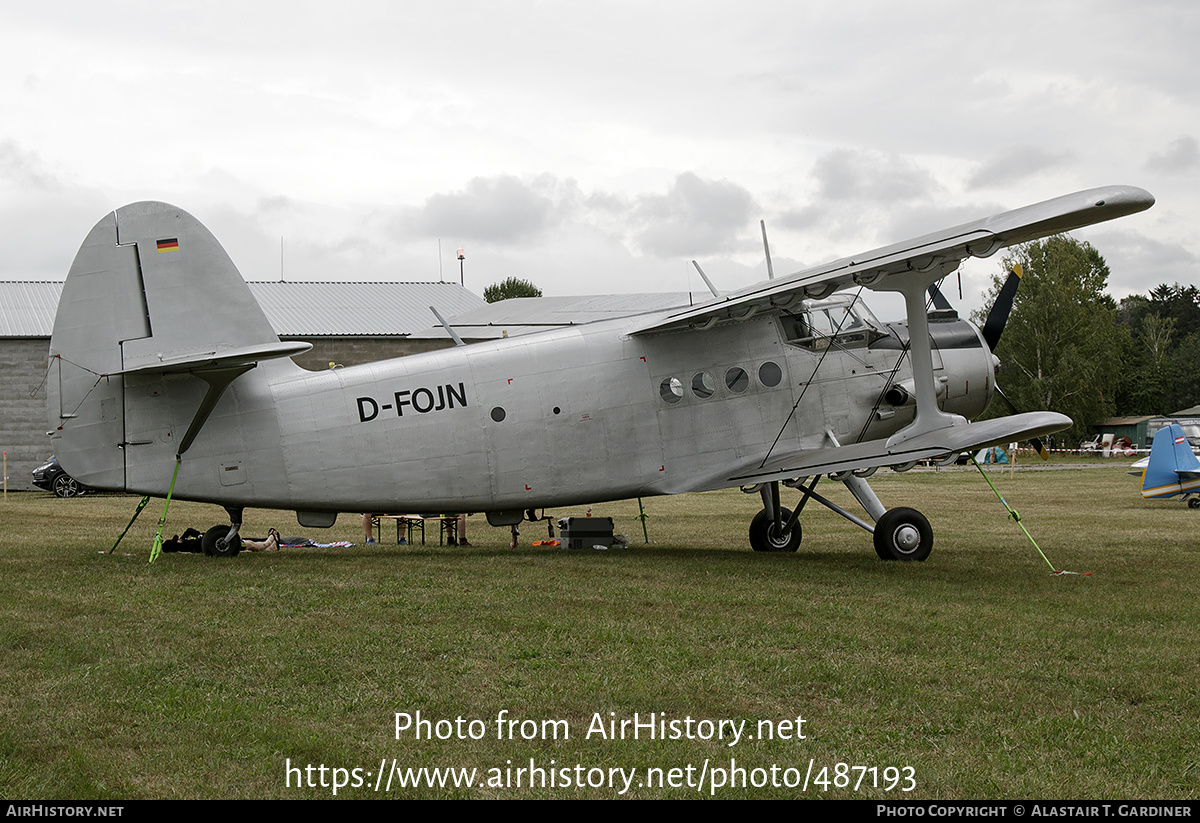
(170, 244)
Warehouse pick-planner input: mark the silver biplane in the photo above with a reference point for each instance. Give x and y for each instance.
(167, 379)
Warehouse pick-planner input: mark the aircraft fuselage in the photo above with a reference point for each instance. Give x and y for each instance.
(579, 414)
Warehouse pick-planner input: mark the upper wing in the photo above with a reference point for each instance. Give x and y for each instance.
(944, 249)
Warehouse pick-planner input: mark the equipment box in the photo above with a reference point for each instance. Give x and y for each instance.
(585, 532)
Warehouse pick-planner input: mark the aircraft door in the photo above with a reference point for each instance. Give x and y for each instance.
(518, 427)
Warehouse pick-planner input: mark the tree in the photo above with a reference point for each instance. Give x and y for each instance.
(512, 287)
(1161, 377)
(1152, 371)
(1186, 385)
(1178, 303)
(1062, 349)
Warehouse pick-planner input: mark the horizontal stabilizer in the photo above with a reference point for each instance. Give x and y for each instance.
(211, 359)
(939, 443)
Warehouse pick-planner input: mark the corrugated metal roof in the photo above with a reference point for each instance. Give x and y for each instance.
(526, 315)
(27, 308)
(308, 309)
(562, 311)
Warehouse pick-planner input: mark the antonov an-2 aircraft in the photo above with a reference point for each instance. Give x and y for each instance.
(167, 378)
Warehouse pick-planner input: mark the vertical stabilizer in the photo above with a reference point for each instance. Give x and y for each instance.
(151, 291)
(1170, 456)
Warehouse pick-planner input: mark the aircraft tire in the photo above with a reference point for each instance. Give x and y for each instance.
(762, 540)
(903, 534)
(1194, 503)
(209, 542)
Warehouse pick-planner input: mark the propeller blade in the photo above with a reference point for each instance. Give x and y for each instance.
(1036, 442)
(998, 316)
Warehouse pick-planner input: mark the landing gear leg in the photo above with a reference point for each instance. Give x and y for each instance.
(774, 529)
(865, 496)
(899, 534)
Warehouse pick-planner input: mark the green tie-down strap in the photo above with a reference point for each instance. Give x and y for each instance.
(157, 548)
(141, 505)
(1013, 514)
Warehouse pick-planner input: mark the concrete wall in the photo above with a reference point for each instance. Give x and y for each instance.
(23, 423)
(353, 351)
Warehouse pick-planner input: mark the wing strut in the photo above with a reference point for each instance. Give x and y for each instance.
(218, 380)
(912, 285)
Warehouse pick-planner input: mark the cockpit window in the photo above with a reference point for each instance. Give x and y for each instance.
(822, 323)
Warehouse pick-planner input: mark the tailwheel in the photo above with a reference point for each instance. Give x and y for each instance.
(215, 542)
(903, 534)
(764, 537)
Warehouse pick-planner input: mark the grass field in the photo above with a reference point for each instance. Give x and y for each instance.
(979, 669)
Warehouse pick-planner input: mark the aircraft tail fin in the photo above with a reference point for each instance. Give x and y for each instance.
(1171, 461)
(150, 291)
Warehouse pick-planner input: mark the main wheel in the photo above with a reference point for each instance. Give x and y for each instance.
(764, 538)
(1194, 503)
(903, 534)
(66, 486)
(214, 545)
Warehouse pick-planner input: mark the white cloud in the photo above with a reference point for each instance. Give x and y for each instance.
(695, 217)
(499, 209)
(1181, 155)
(1013, 165)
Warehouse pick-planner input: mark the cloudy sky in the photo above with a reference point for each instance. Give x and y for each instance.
(594, 147)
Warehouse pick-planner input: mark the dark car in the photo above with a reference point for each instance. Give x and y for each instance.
(51, 477)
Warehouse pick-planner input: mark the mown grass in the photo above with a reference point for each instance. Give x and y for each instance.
(991, 677)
